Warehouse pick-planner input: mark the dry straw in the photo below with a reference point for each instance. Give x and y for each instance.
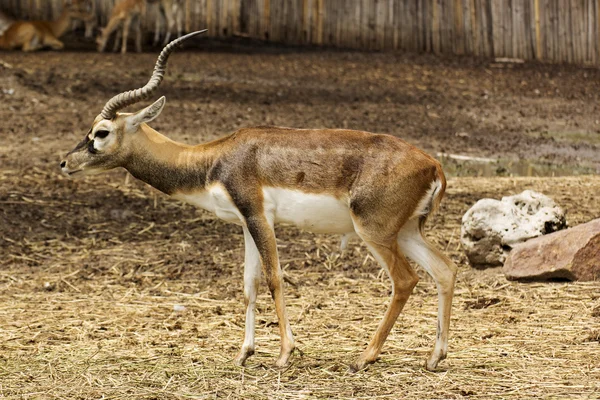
(143, 299)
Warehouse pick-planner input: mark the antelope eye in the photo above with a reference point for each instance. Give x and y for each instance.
(101, 134)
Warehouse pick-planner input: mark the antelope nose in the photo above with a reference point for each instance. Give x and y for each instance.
(63, 164)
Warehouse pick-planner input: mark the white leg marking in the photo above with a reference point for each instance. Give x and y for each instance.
(251, 282)
(443, 272)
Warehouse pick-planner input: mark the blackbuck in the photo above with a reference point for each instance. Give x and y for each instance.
(35, 35)
(123, 15)
(5, 22)
(173, 13)
(91, 23)
(322, 180)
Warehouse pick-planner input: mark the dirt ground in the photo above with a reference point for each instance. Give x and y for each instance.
(93, 271)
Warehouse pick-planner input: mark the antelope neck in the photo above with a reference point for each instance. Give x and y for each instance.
(60, 25)
(167, 165)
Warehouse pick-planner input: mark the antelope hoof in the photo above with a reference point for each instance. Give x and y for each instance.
(284, 359)
(359, 365)
(433, 362)
(241, 358)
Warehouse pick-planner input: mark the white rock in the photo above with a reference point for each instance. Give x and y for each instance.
(491, 228)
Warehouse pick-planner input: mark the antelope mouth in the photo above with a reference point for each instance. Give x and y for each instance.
(71, 173)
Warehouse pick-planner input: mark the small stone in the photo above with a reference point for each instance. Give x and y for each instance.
(178, 308)
(572, 254)
(491, 228)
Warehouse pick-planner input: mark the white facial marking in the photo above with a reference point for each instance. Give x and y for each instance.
(101, 144)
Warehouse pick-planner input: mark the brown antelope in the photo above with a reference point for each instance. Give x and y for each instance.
(322, 180)
(5, 22)
(173, 13)
(34, 35)
(122, 16)
(90, 24)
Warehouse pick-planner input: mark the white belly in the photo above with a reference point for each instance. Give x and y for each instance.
(317, 213)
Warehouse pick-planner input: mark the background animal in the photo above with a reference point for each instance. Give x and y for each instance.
(5, 22)
(34, 35)
(172, 11)
(125, 14)
(91, 23)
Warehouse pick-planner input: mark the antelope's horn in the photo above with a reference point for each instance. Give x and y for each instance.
(130, 97)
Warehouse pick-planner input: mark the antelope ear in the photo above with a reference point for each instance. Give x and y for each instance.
(147, 114)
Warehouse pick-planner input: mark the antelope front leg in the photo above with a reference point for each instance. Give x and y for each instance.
(169, 23)
(263, 235)
(251, 282)
(126, 25)
(138, 35)
(156, 28)
(106, 32)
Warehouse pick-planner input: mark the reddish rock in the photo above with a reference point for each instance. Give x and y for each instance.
(572, 254)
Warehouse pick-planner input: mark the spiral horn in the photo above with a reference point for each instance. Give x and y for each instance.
(130, 97)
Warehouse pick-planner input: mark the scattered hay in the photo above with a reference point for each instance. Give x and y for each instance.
(122, 293)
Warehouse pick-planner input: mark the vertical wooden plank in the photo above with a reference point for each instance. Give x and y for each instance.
(590, 32)
(396, 24)
(538, 36)
(551, 31)
(451, 27)
(548, 31)
(347, 25)
(305, 22)
(379, 24)
(188, 16)
(466, 26)
(209, 21)
(389, 25)
(581, 19)
(597, 29)
(517, 32)
(266, 19)
(593, 29)
(586, 30)
(423, 25)
(576, 17)
(435, 27)
(320, 22)
(475, 34)
(426, 25)
(459, 35)
(507, 27)
(562, 36)
(488, 28)
(442, 29)
(568, 32)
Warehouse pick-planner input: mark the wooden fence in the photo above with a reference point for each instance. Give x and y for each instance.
(549, 30)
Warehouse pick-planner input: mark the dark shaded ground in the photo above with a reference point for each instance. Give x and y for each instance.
(443, 105)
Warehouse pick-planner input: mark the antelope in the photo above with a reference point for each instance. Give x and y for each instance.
(338, 181)
(5, 22)
(34, 35)
(122, 15)
(173, 12)
(89, 24)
